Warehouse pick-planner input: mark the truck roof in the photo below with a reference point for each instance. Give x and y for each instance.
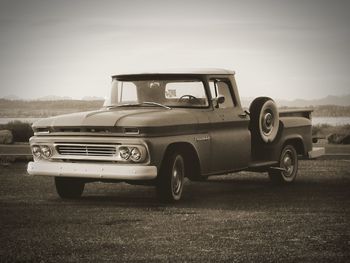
(198, 71)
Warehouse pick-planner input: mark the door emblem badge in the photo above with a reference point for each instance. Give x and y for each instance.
(200, 139)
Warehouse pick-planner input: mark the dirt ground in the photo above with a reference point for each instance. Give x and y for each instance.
(233, 218)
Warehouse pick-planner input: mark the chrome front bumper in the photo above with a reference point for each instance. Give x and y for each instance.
(92, 170)
(316, 152)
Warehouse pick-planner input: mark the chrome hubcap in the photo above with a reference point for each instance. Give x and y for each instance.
(288, 164)
(267, 122)
(177, 175)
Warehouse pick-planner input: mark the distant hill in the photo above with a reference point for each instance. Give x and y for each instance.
(47, 108)
(89, 98)
(329, 100)
(331, 106)
(54, 98)
(12, 97)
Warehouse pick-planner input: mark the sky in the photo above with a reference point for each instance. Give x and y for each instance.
(278, 48)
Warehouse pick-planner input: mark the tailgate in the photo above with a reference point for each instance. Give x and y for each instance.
(305, 113)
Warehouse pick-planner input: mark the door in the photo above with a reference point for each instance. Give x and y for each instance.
(229, 133)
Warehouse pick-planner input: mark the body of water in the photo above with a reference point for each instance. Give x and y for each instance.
(315, 120)
(334, 121)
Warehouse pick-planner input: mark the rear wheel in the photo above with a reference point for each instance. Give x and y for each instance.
(171, 178)
(288, 166)
(69, 188)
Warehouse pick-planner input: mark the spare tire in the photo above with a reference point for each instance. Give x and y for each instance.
(264, 119)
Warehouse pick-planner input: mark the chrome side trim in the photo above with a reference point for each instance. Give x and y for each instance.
(91, 170)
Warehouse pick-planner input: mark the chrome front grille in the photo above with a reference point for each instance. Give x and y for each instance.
(86, 150)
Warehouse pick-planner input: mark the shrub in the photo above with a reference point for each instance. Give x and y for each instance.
(320, 129)
(6, 137)
(334, 134)
(21, 131)
(336, 138)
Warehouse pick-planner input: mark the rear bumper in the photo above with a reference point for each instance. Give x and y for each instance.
(316, 152)
(92, 170)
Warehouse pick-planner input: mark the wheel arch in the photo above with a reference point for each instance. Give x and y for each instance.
(190, 155)
(297, 142)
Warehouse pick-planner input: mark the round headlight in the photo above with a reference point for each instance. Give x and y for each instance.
(124, 153)
(136, 155)
(36, 150)
(46, 151)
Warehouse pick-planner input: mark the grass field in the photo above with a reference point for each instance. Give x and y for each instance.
(233, 218)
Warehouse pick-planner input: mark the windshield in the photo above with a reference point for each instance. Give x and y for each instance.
(171, 93)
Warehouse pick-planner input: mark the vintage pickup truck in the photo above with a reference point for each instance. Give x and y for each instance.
(158, 128)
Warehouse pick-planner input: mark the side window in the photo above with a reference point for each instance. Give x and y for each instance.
(221, 88)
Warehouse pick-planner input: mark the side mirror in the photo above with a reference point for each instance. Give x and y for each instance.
(218, 100)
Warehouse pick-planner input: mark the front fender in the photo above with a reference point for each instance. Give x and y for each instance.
(199, 142)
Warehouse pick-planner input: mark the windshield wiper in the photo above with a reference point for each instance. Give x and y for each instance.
(155, 104)
(123, 105)
(139, 104)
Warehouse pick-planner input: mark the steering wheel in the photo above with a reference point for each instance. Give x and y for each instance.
(190, 97)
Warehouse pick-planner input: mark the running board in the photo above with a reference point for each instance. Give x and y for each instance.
(278, 169)
(262, 166)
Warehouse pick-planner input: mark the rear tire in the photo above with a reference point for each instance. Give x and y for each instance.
(264, 120)
(288, 162)
(69, 188)
(171, 178)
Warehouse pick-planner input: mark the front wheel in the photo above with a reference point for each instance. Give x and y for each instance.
(171, 178)
(288, 166)
(69, 188)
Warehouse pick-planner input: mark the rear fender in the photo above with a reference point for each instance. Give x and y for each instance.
(298, 143)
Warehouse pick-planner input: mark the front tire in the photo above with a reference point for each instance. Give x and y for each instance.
(69, 188)
(171, 178)
(288, 166)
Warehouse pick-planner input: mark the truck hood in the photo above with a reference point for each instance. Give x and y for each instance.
(126, 117)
